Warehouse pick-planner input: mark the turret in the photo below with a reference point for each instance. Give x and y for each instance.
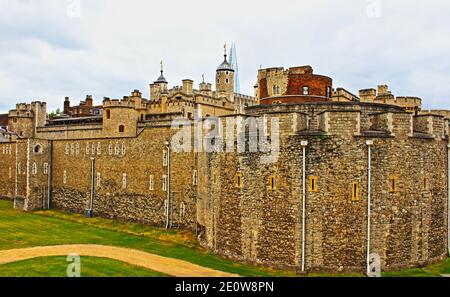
(159, 86)
(225, 78)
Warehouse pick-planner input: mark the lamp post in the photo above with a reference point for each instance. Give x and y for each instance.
(89, 211)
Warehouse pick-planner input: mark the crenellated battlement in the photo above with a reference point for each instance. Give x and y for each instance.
(134, 101)
(383, 95)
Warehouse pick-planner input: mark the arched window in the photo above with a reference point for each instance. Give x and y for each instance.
(121, 129)
(108, 114)
(38, 149)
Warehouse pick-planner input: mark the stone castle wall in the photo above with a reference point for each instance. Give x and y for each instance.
(261, 225)
(123, 170)
(250, 210)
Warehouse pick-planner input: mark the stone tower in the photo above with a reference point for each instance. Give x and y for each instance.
(225, 79)
(159, 86)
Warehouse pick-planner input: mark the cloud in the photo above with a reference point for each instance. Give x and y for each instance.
(113, 47)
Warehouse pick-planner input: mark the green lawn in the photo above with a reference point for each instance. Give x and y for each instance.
(20, 230)
(90, 267)
(430, 271)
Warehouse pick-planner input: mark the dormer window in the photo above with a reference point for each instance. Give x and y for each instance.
(305, 90)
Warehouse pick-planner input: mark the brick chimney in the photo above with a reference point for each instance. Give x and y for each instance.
(67, 105)
(89, 101)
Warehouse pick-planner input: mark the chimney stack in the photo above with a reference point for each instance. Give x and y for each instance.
(67, 105)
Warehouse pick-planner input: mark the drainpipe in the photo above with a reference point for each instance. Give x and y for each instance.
(448, 203)
(16, 188)
(304, 144)
(90, 212)
(49, 173)
(167, 144)
(369, 144)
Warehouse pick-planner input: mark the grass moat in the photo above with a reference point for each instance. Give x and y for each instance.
(52, 228)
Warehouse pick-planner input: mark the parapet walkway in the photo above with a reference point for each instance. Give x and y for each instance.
(169, 266)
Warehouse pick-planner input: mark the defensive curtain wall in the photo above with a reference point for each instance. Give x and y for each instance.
(265, 212)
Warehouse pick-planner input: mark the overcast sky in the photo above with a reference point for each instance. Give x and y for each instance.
(50, 49)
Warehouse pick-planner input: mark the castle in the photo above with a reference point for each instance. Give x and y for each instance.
(302, 175)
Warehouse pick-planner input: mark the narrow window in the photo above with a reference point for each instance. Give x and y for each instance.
(355, 191)
(108, 114)
(182, 209)
(99, 148)
(72, 149)
(152, 182)
(124, 149)
(238, 181)
(88, 148)
(328, 92)
(34, 169)
(45, 168)
(67, 148)
(77, 149)
(65, 177)
(392, 184)
(195, 177)
(110, 149)
(272, 183)
(93, 149)
(425, 184)
(10, 173)
(165, 157)
(121, 129)
(313, 184)
(276, 90)
(164, 186)
(19, 166)
(227, 80)
(124, 181)
(116, 149)
(99, 179)
(305, 90)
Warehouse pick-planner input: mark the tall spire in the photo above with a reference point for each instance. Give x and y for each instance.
(234, 64)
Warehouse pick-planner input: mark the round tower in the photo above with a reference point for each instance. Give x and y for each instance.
(225, 78)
